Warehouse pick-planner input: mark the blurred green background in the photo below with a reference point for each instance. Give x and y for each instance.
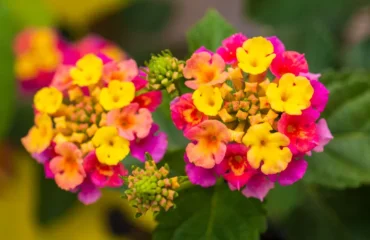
(332, 200)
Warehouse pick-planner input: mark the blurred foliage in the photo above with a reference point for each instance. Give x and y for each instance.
(110, 218)
(313, 27)
(30, 12)
(209, 32)
(7, 83)
(322, 214)
(346, 159)
(358, 56)
(212, 213)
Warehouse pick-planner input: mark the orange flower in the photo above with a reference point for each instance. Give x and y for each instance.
(211, 137)
(67, 167)
(204, 69)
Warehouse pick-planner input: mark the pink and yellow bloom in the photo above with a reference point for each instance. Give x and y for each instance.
(289, 62)
(131, 121)
(235, 167)
(150, 100)
(184, 114)
(103, 175)
(67, 166)
(204, 69)
(301, 130)
(124, 71)
(229, 46)
(209, 143)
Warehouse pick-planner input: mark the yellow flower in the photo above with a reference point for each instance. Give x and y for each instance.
(40, 135)
(48, 100)
(88, 70)
(269, 148)
(256, 55)
(117, 95)
(110, 148)
(208, 100)
(291, 96)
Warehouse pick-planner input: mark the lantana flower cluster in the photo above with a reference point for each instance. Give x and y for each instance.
(41, 52)
(253, 115)
(90, 117)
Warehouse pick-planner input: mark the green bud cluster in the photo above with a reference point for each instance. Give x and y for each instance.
(164, 71)
(151, 189)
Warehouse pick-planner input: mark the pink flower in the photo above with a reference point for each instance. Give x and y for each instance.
(278, 45)
(289, 62)
(209, 143)
(203, 49)
(67, 166)
(320, 96)
(184, 114)
(324, 133)
(301, 130)
(88, 192)
(46, 155)
(132, 121)
(124, 71)
(155, 144)
(258, 187)
(140, 81)
(229, 46)
(235, 168)
(98, 45)
(311, 76)
(150, 100)
(62, 79)
(294, 172)
(200, 176)
(103, 175)
(204, 69)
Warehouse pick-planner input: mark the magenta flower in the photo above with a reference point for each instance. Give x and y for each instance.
(324, 133)
(301, 130)
(184, 114)
(103, 175)
(203, 49)
(88, 192)
(235, 168)
(294, 172)
(258, 187)
(320, 96)
(200, 176)
(150, 100)
(229, 45)
(289, 62)
(155, 144)
(278, 45)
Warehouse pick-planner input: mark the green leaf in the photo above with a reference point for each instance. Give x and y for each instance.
(345, 161)
(53, 201)
(210, 214)
(7, 82)
(162, 117)
(209, 32)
